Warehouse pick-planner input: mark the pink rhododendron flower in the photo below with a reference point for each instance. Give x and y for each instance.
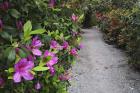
(35, 45)
(31, 58)
(73, 51)
(5, 5)
(19, 25)
(2, 82)
(55, 45)
(74, 17)
(22, 69)
(51, 60)
(52, 3)
(65, 76)
(38, 86)
(65, 45)
(80, 46)
(1, 24)
(74, 33)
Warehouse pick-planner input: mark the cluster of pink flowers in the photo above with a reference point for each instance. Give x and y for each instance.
(51, 60)
(24, 67)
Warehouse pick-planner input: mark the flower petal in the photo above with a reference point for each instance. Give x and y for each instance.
(27, 75)
(52, 70)
(36, 52)
(52, 61)
(47, 53)
(29, 65)
(22, 63)
(17, 77)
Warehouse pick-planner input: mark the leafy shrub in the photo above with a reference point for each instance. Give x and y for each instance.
(39, 41)
(120, 23)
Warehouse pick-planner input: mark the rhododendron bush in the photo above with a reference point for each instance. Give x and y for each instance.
(120, 22)
(39, 41)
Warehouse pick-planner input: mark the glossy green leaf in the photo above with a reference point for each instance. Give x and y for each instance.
(14, 13)
(27, 29)
(40, 68)
(22, 53)
(10, 77)
(10, 70)
(38, 31)
(12, 55)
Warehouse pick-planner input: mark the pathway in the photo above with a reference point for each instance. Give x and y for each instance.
(102, 68)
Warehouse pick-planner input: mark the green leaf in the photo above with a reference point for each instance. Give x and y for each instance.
(56, 9)
(33, 72)
(38, 31)
(14, 13)
(5, 35)
(81, 18)
(22, 53)
(42, 63)
(39, 68)
(61, 36)
(27, 26)
(10, 77)
(10, 70)
(17, 59)
(27, 38)
(27, 29)
(67, 37)
(12, 55)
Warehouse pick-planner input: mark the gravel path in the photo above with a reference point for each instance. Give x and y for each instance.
(101, 68)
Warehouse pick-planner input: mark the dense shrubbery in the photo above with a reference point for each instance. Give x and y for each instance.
(39, 41)
(120, 21)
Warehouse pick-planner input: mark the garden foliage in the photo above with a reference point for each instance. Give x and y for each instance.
(39, 41)
(120, 21)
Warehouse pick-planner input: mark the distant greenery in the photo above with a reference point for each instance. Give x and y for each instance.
(120, 21)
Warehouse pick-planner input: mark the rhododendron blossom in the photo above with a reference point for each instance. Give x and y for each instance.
(65, 76)
(52, 3)
(19, 25)
(74, 17)
(51, 60)
(38, 86)
(31, 58)
(73, 51)
(55, 45)
(1, 82)
(35, 45)
(1, 24)
(23, 69)
(65, 45)
(80, 46)
(5, 5)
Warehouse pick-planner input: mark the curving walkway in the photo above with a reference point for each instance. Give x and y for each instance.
(101, 68)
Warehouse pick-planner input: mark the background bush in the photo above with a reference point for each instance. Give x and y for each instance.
(119, 20)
